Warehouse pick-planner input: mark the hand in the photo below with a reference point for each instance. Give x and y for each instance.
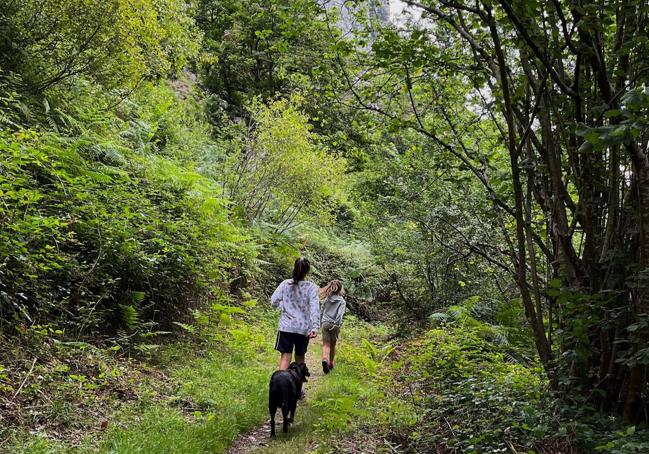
(312, 334)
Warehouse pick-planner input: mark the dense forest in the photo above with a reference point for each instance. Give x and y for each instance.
(475, 172)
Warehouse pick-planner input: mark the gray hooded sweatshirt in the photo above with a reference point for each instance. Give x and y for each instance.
(333, 310)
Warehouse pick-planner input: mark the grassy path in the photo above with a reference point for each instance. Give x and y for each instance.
(213, 398)
(258, 438)
(234, 395)
(344, 409)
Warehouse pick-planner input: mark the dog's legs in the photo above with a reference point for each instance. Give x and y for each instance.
(292, 410)
(272, 409)
(285, 410)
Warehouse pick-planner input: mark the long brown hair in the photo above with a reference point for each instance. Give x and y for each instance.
(334, 287)
(300, 269)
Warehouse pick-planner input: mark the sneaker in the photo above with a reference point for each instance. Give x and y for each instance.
(325, 366)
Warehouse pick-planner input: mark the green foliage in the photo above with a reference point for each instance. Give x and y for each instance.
(283, 175)
(427, 223)
(631, 123)
(474, 400)
(498, 322)
(261, 48)
(13, 110)
(169, 119)
(476, 394)
(504, 93)
(129, 316)
(117, 43)
(83, 238)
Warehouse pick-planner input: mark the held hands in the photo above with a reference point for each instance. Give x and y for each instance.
(312, 334)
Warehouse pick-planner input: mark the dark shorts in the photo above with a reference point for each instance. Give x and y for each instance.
(286, 341)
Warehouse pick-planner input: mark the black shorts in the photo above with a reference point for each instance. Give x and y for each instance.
(286, 341)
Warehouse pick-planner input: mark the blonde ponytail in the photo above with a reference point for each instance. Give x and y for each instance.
(334, 287)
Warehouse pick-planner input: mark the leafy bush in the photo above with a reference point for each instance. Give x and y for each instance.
(282, 174)
(84, 237)
(501, 323)
(475, 399)
(475, 396)
(117, 43)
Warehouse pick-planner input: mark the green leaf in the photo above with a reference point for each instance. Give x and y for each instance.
(612, 113)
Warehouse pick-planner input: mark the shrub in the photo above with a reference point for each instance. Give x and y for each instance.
(477, 399)
(91, 240)
(117, 44)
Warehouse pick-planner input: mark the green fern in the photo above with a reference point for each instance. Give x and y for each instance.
(189, 328)
(147, 349)
(439, 318)
(130, 316)
(137, 297)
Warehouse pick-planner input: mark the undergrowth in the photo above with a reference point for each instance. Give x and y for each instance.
(196, 395)
(107, 225)
(193, 395)
(476, 390)
(355, 397)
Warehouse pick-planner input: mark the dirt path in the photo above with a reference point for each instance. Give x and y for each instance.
(259, 437)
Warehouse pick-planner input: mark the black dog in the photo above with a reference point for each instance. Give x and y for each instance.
(284, 390)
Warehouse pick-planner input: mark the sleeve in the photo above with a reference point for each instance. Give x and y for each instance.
(323, 306)
(341, 312)
(276, 299)
(314, 308)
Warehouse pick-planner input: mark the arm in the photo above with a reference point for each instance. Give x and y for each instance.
(276, 299)
(341, 313)
(314, 309)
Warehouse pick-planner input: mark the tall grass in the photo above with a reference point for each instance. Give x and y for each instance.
(220, 389)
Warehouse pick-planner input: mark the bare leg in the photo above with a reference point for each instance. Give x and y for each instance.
(332, 353)
(284, 361)
(325, 350)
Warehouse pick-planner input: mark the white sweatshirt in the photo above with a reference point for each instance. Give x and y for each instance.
(300, 306)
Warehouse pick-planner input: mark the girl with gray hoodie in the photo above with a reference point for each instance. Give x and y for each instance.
(331, 319)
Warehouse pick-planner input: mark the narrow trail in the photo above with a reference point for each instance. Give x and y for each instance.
(259, 437)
